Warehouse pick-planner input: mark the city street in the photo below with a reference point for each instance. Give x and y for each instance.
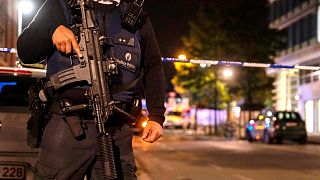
(188, 157)
(185, 157)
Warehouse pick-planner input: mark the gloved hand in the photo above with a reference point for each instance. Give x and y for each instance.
(64, 40)
(152, 132)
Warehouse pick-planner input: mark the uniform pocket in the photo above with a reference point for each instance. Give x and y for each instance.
(44, 171)
(127, 51)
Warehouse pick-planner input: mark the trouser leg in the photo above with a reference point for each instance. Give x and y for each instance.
(124, 158)
(124, 152)
(61, 155)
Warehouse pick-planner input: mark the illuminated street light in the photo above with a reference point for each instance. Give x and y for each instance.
(182, 57)
(203, 65)
(24, 7)
(227, 73)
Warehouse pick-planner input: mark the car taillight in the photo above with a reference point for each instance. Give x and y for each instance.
(16, 72)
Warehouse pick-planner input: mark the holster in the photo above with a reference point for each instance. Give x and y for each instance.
(132, 109)
(76, 126)
(39, 115)
(73, 120)
(136, 106)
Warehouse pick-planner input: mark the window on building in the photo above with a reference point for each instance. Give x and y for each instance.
(271, 11)
(304, 29)
(277, 9)
(297, 33)
(312, 32)
(304, 77)
(290, 37)
(315, 78)
(295, 3)
(283, 7)
(309, 76)
(290, 5)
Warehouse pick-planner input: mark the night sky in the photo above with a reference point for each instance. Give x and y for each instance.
(171, 21)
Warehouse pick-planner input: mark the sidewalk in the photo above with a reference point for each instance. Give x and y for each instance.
(313, 139)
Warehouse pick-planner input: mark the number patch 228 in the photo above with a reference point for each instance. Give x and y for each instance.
(12, 172)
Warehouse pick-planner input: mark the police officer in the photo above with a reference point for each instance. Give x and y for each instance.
(49, 37)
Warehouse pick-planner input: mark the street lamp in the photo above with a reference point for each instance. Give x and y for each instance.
(182, 57)
(24, 7)
(227, 73)
(203, 65)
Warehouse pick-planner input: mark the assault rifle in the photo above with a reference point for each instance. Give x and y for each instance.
(92, 69)
(99, 93)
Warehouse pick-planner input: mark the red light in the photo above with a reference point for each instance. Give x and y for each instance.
(16, 72)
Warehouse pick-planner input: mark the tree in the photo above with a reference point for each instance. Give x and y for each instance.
(201, 85)
(234, 30)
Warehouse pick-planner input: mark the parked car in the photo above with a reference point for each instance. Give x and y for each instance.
(174, 119)
(284, 125)
(255, 129)
(16, 158)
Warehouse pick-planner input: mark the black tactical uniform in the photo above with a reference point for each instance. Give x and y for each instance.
(61, 155)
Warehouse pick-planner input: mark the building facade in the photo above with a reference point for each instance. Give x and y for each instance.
(298, 90)
(8, 30)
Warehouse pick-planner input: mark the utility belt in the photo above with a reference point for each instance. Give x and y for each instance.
(76, 96)
(45, 100)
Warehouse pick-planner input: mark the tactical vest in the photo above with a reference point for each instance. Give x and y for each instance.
(126, 44)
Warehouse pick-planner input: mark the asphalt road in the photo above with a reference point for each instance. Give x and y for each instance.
(178, 156)
(185, 157)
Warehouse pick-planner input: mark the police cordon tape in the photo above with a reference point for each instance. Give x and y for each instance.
(243, 64)
(217, 62)
(8, 50)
